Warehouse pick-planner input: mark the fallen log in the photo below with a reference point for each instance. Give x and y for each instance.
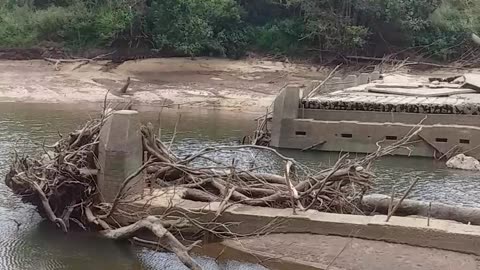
(380, 204)
(166, 239)
(81, 61)
(396, 61)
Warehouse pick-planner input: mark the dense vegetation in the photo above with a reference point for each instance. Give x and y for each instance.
(432, 28)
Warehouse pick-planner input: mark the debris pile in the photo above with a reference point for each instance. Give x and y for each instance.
(62, 185)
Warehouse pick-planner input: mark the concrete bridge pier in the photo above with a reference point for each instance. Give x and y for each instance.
(285, 108)
(120, 153)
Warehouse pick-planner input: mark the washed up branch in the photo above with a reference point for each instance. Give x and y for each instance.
(316, 89)
(82, 61)
(403, 62)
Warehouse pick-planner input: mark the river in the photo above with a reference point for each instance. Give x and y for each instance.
(27, 243)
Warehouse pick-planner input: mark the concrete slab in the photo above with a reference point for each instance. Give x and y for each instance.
(248, 219)
(472, 80)
(421, 92)
(374, 76)
(398, 85)
(353, 253)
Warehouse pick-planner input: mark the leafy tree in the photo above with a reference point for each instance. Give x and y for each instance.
(195, 26)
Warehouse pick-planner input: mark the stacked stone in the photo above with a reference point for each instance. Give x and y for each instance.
(427, 108)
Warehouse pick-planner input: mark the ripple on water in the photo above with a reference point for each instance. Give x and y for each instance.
(167, 261)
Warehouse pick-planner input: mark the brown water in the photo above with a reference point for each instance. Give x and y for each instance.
(37, 245)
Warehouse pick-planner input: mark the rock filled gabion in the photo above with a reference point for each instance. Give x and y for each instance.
(427, 108)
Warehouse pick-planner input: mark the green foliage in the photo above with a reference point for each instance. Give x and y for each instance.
(331, 24)
(109, 22)
(195, 26)
(450, 28)
(283, 36)
(409, 15)
(442, 28)
(75, 25)
(16, 32)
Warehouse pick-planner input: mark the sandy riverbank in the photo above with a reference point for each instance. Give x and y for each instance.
(242, 85)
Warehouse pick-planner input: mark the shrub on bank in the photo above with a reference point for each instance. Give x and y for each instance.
(76, 25)
(16, 27)
(281, 36)
(197, 27)
(434, 28)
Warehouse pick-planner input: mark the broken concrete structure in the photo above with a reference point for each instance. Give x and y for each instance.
(120, 153)
(409, 234)
(356, 119)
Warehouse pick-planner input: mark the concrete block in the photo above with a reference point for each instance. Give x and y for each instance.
(364, 78)
(120, 153)
(334, 84)
(374, 76)
(350, 81)
(285, 106)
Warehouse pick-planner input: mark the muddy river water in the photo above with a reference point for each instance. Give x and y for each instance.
(28, 243)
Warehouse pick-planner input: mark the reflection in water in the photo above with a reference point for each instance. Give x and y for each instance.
(27, 244)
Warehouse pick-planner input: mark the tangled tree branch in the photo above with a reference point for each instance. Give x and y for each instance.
(62, 184)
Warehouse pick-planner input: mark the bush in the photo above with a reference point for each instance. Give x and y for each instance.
(230, 27)
(97, 26)
(17, 27)
(283, 36)
(332, 25)
(50, 24)
(451, 26)
(193, 27)
(75, 25)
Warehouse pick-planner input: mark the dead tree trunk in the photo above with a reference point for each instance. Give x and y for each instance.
(379, 204)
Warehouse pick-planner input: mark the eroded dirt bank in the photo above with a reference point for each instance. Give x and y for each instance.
(245, 85)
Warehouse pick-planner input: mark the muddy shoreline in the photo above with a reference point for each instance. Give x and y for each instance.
(248, 85)
(213, 83)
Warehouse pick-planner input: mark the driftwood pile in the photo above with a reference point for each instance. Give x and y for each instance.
(469, 109)
(62, 184)
(262, 135)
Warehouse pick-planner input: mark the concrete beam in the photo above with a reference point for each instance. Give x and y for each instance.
(362, 137)
(350, 81)
(364, 78)
(120, 153)
(375, 76)
(440, 234)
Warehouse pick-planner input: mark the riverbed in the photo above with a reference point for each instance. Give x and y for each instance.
(28, 243)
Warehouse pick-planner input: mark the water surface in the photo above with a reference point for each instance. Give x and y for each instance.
(27, 243)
